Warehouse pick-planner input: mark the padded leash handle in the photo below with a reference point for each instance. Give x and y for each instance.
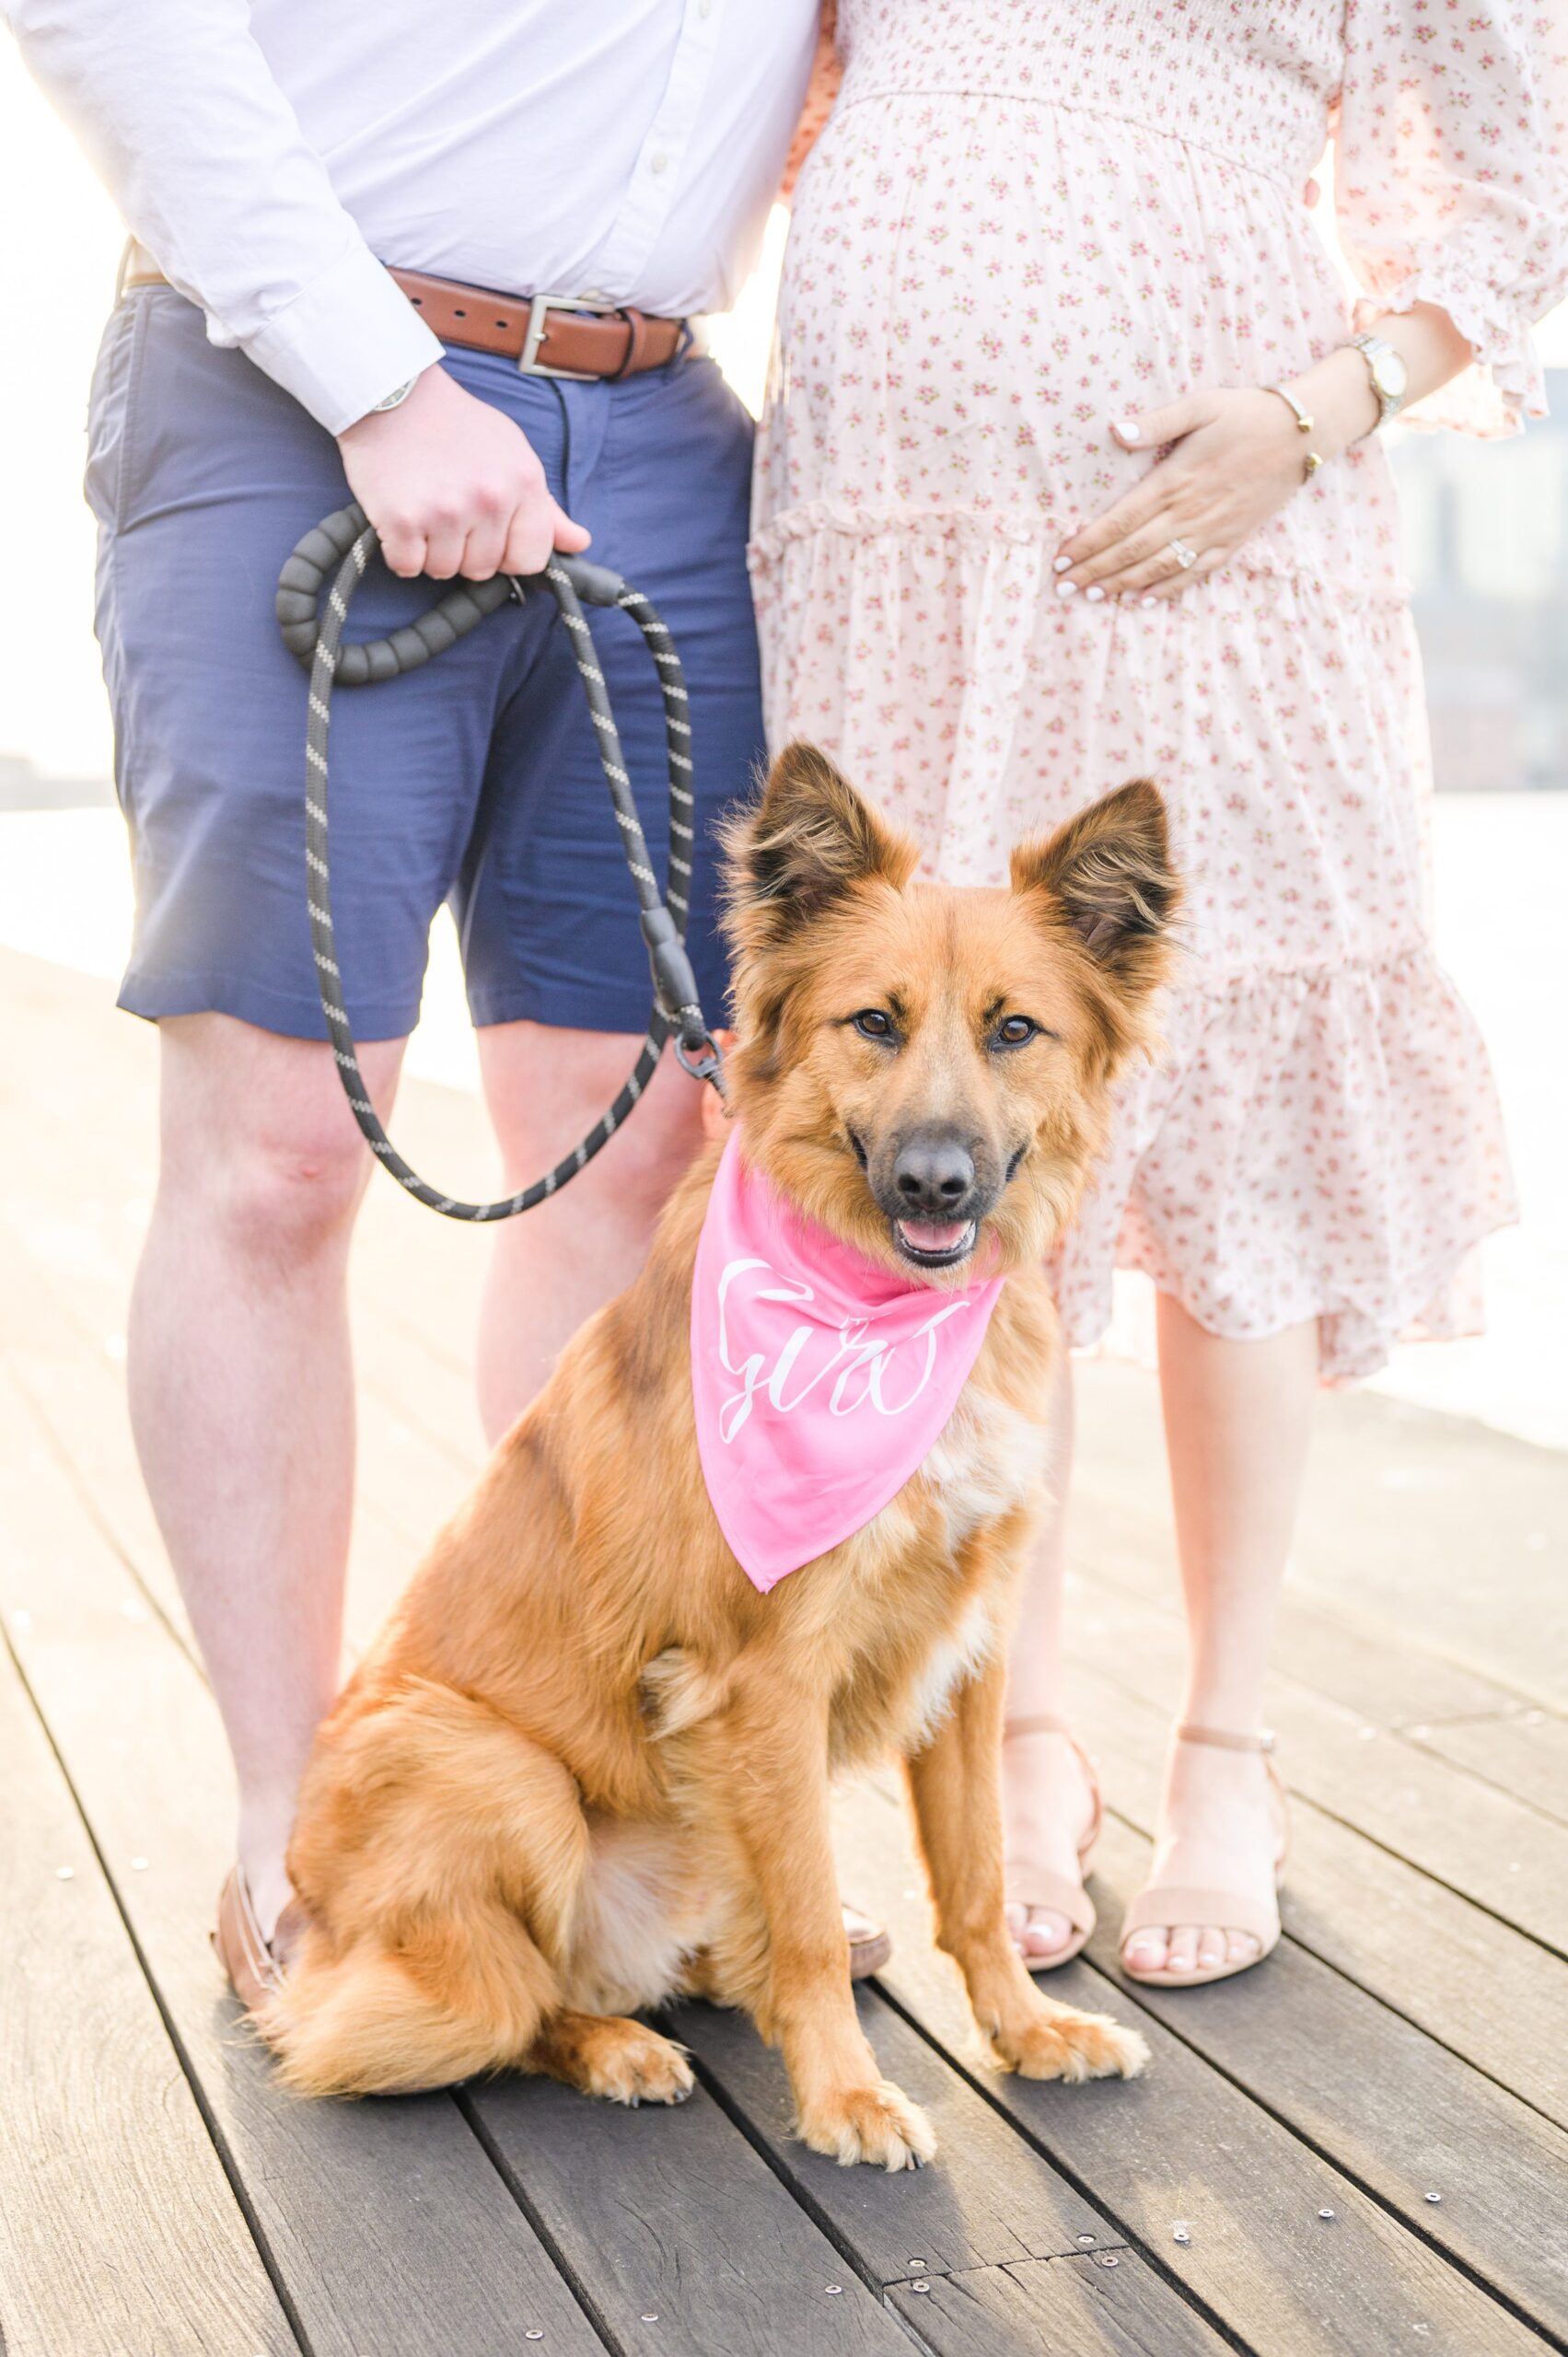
(462, 608)
(314, 635)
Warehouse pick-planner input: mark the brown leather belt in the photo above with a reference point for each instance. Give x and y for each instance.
(546, 335)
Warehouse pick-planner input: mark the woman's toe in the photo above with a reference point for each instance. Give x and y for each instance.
(1182, 1954)
(1242, 1948)
(1145, 1951)
(1212, 1946)
(1017, 1917)
(1046, 1933)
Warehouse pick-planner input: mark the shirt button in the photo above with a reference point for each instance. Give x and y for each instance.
(704, 7)
(657, 160)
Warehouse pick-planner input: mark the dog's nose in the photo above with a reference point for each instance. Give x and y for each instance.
(934, 1173)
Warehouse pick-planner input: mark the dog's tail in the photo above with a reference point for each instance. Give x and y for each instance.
(440, 1855)
(458, 1999)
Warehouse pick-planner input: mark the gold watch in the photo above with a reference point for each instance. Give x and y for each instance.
(1390, 377)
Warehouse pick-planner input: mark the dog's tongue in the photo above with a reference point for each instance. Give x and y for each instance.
(933, 1235)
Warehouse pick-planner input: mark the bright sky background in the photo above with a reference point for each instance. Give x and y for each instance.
(63, 888)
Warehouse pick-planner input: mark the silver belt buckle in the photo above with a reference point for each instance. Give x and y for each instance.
(540, 308)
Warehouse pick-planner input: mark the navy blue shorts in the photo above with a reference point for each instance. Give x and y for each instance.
(476, 779)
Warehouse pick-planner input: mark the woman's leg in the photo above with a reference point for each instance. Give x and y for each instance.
(1046, 1803)
(1237, 1419)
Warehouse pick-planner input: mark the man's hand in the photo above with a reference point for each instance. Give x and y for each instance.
(453, 486)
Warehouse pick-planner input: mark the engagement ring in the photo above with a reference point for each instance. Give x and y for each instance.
(1185, 557)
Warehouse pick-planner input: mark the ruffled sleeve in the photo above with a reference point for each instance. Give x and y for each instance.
(1451, 184)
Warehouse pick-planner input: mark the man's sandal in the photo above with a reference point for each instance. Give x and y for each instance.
(1029, 1883)
(255, 1965)
(1166, 1905)
(869, 1944)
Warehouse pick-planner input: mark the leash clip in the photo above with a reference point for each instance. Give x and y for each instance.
(706, 1063)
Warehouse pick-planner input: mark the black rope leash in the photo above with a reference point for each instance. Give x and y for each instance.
(346, 542)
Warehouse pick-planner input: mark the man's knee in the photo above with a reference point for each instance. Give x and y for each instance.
(259, 1143)
(282, 1192)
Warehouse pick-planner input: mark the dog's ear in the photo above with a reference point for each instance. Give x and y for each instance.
(1108, 875)
(806, 843)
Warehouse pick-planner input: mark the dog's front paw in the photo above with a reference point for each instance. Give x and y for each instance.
(645, 2069)
(1058, 2042)
(622, 2060)
(875, 2123)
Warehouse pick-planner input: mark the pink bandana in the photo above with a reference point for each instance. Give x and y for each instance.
(820, 1380)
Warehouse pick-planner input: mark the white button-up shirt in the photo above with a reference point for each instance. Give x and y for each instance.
(273, 157)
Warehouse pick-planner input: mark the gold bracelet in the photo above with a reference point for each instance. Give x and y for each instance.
(1303, 423)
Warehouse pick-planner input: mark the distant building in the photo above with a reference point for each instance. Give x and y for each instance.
(1486, 549)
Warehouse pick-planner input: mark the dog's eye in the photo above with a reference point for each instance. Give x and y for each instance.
(872, 1023)
(1015, 1031)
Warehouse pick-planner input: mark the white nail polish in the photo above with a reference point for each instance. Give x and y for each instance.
(1148, 601)
(1095, 594)
(1066, 589)
(1128, 428)
(1060, 563)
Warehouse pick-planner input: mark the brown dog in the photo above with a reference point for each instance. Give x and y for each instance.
(586, 1766)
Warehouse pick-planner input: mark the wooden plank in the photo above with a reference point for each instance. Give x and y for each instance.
(1482, 1582)
(386, 2221)
(396, 1368)
(79, 1396)
(1396, 2110)
(1183, 2144)
(413, 1484)
(1089, 2305)
(1387, 1681)
(676, 2235)
(990, 2204)
(1472, 1984)
(987, 2199)
(431, 1337)
(70, 1256)
(1440, 1532)
(1524, 1753)
(119, 2230)
(1387, 1678)
(1463, 1832)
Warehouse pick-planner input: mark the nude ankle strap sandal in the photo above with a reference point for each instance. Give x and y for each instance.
(1031, 1884)
(1166, 1905)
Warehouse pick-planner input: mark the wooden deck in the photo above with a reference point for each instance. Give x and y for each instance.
(158, 2196)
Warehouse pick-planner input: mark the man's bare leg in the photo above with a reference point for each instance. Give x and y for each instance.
(545, 1087)
(242, 1391)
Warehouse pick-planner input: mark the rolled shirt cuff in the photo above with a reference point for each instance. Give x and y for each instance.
(344, 342)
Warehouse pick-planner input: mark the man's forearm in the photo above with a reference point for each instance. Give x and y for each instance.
(181, 117)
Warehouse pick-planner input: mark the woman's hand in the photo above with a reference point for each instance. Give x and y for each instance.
(1234, 459)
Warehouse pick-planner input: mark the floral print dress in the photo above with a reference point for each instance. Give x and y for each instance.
(1025, 218)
